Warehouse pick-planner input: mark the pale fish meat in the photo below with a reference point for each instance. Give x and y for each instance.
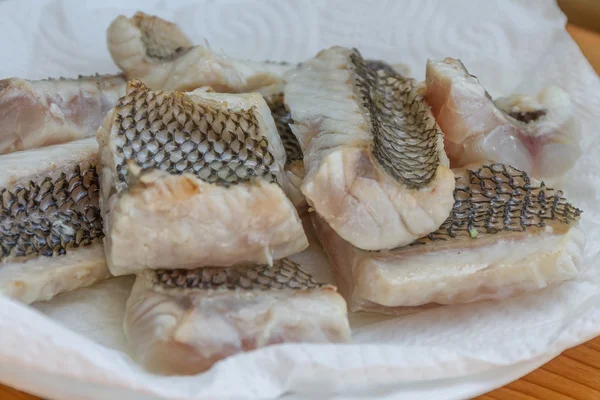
(183, 321)
(50, 224)
(51, 111)
(210, 191)
(294, 165)
(375, 166)
(507, 234)
(538, 135)
(158, 53)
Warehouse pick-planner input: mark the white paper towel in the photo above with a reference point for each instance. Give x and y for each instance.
(73, 347)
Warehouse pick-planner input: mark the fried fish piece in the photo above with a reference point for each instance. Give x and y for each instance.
(375, 166)
(52, 111)
(538, 135)
(507, 234)
(183, 321)
(192, 180)
(158, 53)
(50, 224)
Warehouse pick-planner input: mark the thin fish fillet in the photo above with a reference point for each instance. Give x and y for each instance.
(374, 161)
(183, 321)
(50, 224)
(158, 53)
(538, 135)
(507, 234)
(191, 180)
(52, 111)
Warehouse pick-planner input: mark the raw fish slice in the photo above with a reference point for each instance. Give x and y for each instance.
(537, 135)
(294, 165)
(183, 321)
(41, 113)
(373, 155)
(219, 201)
(158, 53)
(50, 225)
(507, 234)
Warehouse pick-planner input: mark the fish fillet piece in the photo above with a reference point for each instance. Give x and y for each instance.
(158, 53)
(538, 135)
(507, 234)
(294, 165)
(210, 190)
(375, 166)
(183, 321)
(51, 111)
(50, 224)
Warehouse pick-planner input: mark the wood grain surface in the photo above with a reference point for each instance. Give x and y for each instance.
(575, 374)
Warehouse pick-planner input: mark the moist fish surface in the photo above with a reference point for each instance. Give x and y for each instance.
(158, 53)
(51, 111)
(375, 167)
(183, 321)
(50, 224)
(294, 166)
(507, 234)
(191, 180)
(537, 134)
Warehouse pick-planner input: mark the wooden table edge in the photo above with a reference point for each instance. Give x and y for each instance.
(573, 374)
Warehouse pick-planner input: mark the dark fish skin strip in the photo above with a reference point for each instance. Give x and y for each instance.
(284, 274)
(405, 135)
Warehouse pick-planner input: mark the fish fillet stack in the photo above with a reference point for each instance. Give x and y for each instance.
(191, 188)
(507, 234)
(202, 163)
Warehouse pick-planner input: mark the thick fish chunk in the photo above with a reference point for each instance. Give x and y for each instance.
(158, 53)
(538, 135)
(507, 234)
(52, 111)
(375, 166)
(183, 321)
(50, 224)
(294, 165)
(214, 197)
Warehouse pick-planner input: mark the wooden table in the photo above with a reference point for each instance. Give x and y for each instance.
(575, 374)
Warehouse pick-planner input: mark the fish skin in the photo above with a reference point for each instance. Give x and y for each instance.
(51, 229)
(507, 234)
(52, 111)
(158, 53)
(209, 190)
(477, 129)
(375, 167)
(183, 321)
(294, 165)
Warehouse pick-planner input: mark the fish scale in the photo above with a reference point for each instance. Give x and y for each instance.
(283, 119)
(284, 274)
(498, 197)
(49, 216)
(404, 134)
(216, 145)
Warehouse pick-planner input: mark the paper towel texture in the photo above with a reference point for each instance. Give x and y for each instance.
(73, 347)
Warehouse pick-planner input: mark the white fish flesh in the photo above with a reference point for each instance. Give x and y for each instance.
(183, 321)
(375, 166)
(50, 224)
(51, 111)
(159, 54)
(507, 234)
(210, 190)
(538, 135)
